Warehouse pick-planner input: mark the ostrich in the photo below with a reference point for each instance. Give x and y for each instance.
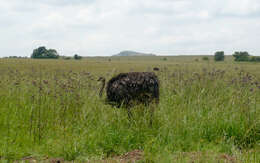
(129, 88)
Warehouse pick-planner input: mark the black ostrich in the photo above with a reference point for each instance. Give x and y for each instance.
(127, 89)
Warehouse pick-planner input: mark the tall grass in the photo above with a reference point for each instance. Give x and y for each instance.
(51, 108)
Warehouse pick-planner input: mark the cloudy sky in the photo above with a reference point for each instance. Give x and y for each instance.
(106, 27)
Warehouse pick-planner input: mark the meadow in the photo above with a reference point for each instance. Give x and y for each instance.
(208, 111)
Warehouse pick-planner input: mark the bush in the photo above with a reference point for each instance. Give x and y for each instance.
(245, 57)
(219, 56)
(77, 57)
(241, 56)
(43, 53)
(255, 59)
(205, 58)
(67, 58)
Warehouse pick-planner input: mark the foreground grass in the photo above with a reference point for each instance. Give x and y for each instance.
(206, 111)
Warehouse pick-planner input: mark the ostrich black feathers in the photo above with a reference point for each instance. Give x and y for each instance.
(133, 87)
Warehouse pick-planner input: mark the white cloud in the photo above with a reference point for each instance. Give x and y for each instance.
(101, 27)
(241, 8)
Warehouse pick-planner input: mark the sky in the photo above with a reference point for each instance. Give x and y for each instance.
(106, 27)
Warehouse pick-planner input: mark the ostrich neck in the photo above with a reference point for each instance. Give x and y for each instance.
(102, 88)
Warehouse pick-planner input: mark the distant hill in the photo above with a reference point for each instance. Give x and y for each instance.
(133, 53)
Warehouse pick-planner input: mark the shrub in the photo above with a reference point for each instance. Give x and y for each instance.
(219, 56)
(205, 58)
(67, 58)
(255, 59)
(241, 56)
(77, 57)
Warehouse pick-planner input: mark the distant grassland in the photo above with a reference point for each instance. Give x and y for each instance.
(208, 112)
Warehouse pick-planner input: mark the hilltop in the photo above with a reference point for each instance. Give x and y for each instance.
(133, 53)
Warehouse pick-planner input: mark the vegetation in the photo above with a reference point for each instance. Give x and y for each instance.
(245, 57)
(164, 59)
(255, 59)
(241, 56)
(205, 58)
(43, 53)
(77, 57)
(207, 112)
(219, 56)
(67, 58)
(16, 57)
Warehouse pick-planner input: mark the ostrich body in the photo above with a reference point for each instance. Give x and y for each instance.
(126, 88)
(130, 88)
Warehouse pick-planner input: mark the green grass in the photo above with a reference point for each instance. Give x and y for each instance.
(50, 108)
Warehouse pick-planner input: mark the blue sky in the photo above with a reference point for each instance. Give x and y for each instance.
(103, 27)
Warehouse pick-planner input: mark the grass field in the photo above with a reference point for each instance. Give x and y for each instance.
(208, 111)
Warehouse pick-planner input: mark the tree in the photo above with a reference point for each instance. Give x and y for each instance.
(241, 56)
(77, 57)
(52, 53)
(219, 56)
(42, 53)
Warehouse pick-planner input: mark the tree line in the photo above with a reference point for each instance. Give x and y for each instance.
(43, 53)
(242, 56)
